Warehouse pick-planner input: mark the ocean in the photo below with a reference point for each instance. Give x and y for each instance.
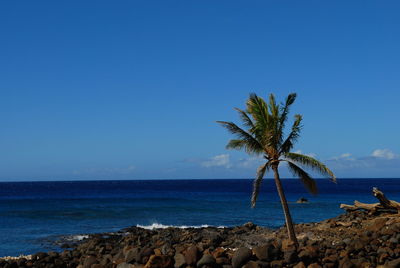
(35, 215)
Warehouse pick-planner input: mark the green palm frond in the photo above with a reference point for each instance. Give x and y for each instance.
(284, 112)
(258, 109)
(245, 118)
(248, 141)
(236, 144)
(308, 182)
(311, 163)
(288, 144)
(273, 107)
(257, 183)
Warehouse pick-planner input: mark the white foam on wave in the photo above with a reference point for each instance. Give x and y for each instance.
(77, 237)
(162, 226)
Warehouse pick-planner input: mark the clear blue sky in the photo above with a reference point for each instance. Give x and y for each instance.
(132, 89)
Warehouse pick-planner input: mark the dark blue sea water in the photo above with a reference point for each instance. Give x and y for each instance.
(35, 214)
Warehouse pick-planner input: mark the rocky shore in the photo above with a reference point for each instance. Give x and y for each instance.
(353, 239)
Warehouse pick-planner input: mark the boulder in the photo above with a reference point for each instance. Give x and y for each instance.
(314, 265)
(180, 261)
(393, 264)
(132, 255)
(251, 264)
(346, 263)
(300, 265)
(156, 261)
(89, 260)
(124, 265)
(191, 255)
(207, 260)
(219, 252)
(266, 252)
(240, 257)
(145, 254)
(290, 256)
(277, 264)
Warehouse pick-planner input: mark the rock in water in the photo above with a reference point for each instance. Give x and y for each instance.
(302, 200)
(241, 257)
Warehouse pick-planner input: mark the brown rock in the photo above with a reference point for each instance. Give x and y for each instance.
(300, 265)
(330, 259)
(125, 265)
(290, 256)
(314, 265)
(132, 255)
(277, 264)
(382, 258)
(251, 264)
(366, 265)
(266, 252)
(218, 253)
(288, 245)
(89, 260)
(145, 255)
(308, 254)
(393, 264)
(157, 252)
(240, 257)
(191, 255)
(264, 264)
(180, 261)
(222, 261)
(159, 262)
(346, 263)
(97, 265)
(206, 260)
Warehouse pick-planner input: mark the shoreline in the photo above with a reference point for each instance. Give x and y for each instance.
(354, 239)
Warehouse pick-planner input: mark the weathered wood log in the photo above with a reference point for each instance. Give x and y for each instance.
(384, 205)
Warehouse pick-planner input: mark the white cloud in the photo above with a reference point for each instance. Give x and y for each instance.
(384, 153)
(252, 162)
(381, 162)
(222, 160)
(308, 154)
(345, 156)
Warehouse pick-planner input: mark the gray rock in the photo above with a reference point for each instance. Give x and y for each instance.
(180, 261)
(191, 255)
(251, 264)
(393, 264)
(89, 261)
(132, 255)
(206, 260)
(266, 252)
(124, 265)
(290, 256)
(241, 257)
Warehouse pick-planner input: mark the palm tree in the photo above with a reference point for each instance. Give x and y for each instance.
(265, 124)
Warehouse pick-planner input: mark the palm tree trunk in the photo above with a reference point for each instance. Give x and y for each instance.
(288, 218)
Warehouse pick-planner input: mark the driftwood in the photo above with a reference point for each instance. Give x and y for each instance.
(384, 205)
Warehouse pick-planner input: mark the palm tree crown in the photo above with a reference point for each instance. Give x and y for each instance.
(264, 135)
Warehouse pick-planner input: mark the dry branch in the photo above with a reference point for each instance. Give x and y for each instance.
(384, 205)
